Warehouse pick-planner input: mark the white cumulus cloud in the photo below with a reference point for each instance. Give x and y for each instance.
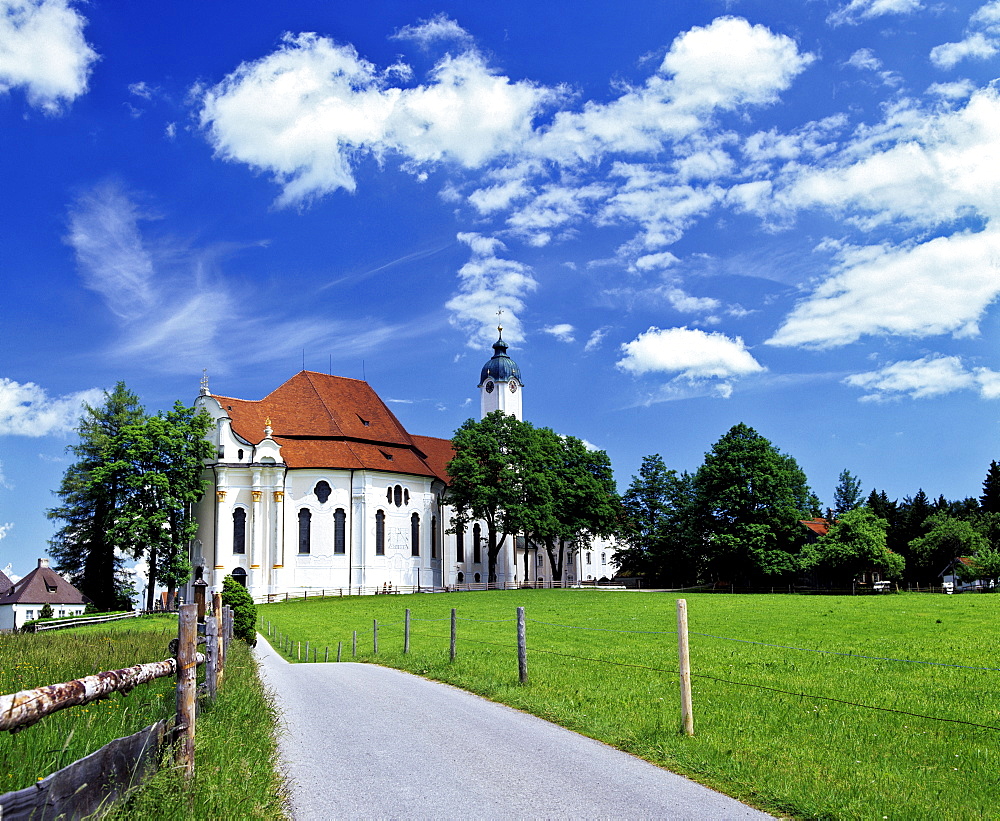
(26, 409)
(688, 353)
(857, 11)
(563, 332)
(925, 378)
(43, 50)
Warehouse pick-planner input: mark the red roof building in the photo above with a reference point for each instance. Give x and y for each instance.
(23, 600)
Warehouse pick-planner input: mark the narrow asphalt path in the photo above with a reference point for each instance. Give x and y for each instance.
(362, 741)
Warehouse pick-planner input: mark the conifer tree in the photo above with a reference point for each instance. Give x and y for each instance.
(990, 500)
(847, 495)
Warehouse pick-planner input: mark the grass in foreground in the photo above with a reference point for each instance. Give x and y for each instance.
(803, 756)
(36, 660)
(235, 748)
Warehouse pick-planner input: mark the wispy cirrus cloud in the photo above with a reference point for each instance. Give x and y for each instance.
(43, 51)
(172, 304)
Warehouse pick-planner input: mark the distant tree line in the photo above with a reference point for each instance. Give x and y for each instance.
(738, 520)
(129, 495)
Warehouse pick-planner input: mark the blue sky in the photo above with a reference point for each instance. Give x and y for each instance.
(692, 215)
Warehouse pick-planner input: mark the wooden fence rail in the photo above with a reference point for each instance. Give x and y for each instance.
(95, 781)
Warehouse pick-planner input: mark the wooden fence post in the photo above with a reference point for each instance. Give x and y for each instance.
(522, 647)
(406, 632)
(307, 651)
(220, 645)
(454, 635)
(687, 713)
(354, 645)
(187, 683)
(212, 654)
(326, 655)
(340, 644)
(375, 636)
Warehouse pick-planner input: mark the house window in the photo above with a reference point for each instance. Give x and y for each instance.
(322, 491)
(434, 537)
(415, 535)
(29, 615)
(305, 523)
(604, 558)
(339, 542)
(379, 533)
(240, 530)
(459, 543)
(538, 560)
(477, 544)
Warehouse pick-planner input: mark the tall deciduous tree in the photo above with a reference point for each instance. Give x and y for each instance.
(162, 459)
(946, 539)
(91, 498)
(854, 544)
(571, 495)
(752, 498)
(490, 475)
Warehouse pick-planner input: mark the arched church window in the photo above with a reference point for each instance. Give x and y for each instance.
(339, 542)
(240, 530)
(478, 578)
(477, 544)
(588, 558)
(538, 560)
(240, 575)
(305, 526)
(406, 496)
(388, 494)
(461, 577)
(380, 533)
(397, 495)
(459, 543)
(434, 537)
(415, 535)
(322, 491)
(239, 454)
(604, 558)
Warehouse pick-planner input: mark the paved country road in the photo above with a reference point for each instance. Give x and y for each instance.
(362, 741)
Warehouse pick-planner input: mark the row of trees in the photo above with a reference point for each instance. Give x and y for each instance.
(738, 519)
(519, 479)
(129, 495)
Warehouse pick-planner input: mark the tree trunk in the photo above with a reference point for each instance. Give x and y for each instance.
(151, 579)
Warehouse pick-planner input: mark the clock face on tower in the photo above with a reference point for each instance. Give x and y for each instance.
(513, 387)
(489, 387)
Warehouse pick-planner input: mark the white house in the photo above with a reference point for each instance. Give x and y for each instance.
(318, 485)
(24, 600)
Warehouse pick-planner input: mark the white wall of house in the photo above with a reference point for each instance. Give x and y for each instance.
(13, 616)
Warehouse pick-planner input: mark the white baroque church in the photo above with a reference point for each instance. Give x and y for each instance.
(318, 486)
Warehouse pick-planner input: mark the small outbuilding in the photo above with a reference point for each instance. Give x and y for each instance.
(23, 601)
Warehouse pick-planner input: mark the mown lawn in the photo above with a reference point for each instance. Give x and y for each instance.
(235, 750)
(603, 664)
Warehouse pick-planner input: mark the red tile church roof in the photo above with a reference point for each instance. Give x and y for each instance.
(324, 421)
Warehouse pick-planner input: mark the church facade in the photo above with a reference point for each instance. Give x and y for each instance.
(319, 486)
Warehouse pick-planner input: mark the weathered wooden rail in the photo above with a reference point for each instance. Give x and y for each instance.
(93, 782)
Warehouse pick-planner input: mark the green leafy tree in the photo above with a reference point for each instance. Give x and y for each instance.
(162, 459)
(46, 611)
(239, 599)
(847, 495)
(491, 472)
(946, 539)
(751, 498)
(990, 500)
(854, 544)
(571, 496)
(91, 497)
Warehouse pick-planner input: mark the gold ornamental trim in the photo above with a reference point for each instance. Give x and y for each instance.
(255, 567)
(276, 566)
(279, 495)
(220, 495)
(220, 567)
(256, 495)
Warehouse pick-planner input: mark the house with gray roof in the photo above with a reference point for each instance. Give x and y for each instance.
(23, 600)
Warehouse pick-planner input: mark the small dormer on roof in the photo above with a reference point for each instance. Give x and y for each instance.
(500, 368)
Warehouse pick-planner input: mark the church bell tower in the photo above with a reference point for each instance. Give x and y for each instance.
(500, 383)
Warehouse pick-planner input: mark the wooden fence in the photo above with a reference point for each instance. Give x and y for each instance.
(102, 777)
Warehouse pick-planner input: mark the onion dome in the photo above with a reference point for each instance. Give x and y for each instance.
(500, 368)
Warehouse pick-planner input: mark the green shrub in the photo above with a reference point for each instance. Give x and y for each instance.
(244, 610)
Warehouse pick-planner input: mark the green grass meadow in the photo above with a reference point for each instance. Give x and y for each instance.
(604, 664)
(235, 750)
